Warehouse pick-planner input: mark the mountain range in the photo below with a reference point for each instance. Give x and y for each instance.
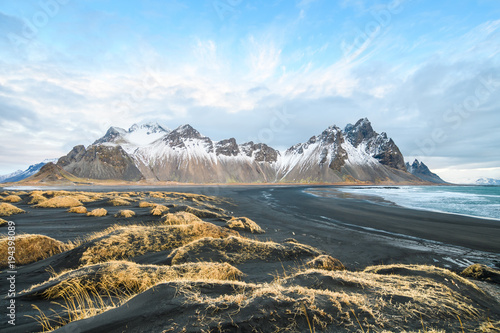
(150, 152)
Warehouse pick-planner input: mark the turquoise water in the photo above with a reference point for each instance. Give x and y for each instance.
(478, 201)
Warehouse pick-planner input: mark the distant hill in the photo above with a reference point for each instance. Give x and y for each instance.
(421, 170)
(20, 174)
(487, 181)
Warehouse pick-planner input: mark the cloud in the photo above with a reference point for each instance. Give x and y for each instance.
(234, 86)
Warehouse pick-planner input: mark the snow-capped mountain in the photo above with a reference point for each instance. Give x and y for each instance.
(153, 153)
(20, 174)
(356, 153)
(138, 135)
(421, 170)
(185, 155)
(487, 181)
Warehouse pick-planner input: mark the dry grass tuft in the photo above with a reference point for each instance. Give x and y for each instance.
(3, 222)
(37, 198)
(123, 277)
(119, 202)
(158, 210)
(98, 212)
(12, 198)
(125, 242)
(482, 272)
(201, 213)
(326, 262)
(179, 218)
(145, 204)
(6, 209)
(31, 248)
(59, 202)
(125, 213)
(78, 210)
(244, 224)
(237, 250)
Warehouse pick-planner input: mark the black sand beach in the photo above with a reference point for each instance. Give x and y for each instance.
(356, 231)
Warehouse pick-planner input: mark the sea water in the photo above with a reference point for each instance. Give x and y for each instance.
(477, 201)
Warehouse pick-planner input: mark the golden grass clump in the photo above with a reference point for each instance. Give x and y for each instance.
(98, 212)
(244, 224)
(124, 277)
(179, 218)
(118, 201)
(7, 209)
(12, 198)
(3, 222)
(145, 204)
(201, 213)
(158, 210)
(31, 248)
(125, 242)
(326, 262)
(482, 272)
(59, 202)
(78, 210)
(125, 213)
(36, 198)
(237, 250)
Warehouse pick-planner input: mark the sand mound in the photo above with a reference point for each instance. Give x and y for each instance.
(59, 202)
(31, 248)
(237, 250)
(244, 224)
(98, 212)
(122, 277)
(158, 210)
(125, 213)
(119, 202)
(179, 218)
(326, 262)
(78, 210)
(482, 272)
(36, 199)
(12, 198)
(312, 300)
(6, 209)
(201, 213)
(127, 242)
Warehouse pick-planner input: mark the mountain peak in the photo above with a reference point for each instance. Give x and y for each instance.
(421, 170)
(188, 132)
(149, 127)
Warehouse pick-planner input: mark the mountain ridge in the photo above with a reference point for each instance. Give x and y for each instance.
(152, 153)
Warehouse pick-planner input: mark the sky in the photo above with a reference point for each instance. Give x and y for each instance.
(425, 72)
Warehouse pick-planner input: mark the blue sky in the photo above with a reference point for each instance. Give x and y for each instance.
(425, 72)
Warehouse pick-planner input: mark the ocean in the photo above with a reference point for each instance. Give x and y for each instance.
(477, 201)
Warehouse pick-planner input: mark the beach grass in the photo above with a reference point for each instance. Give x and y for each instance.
(30, 248)
(7, 209)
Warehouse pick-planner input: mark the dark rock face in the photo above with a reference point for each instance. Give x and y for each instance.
(100, 162)
(377, 145)
(74, 155)
(260, 151)
(389, 154)
(227, 147)
(420, 170)
(360, 132)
